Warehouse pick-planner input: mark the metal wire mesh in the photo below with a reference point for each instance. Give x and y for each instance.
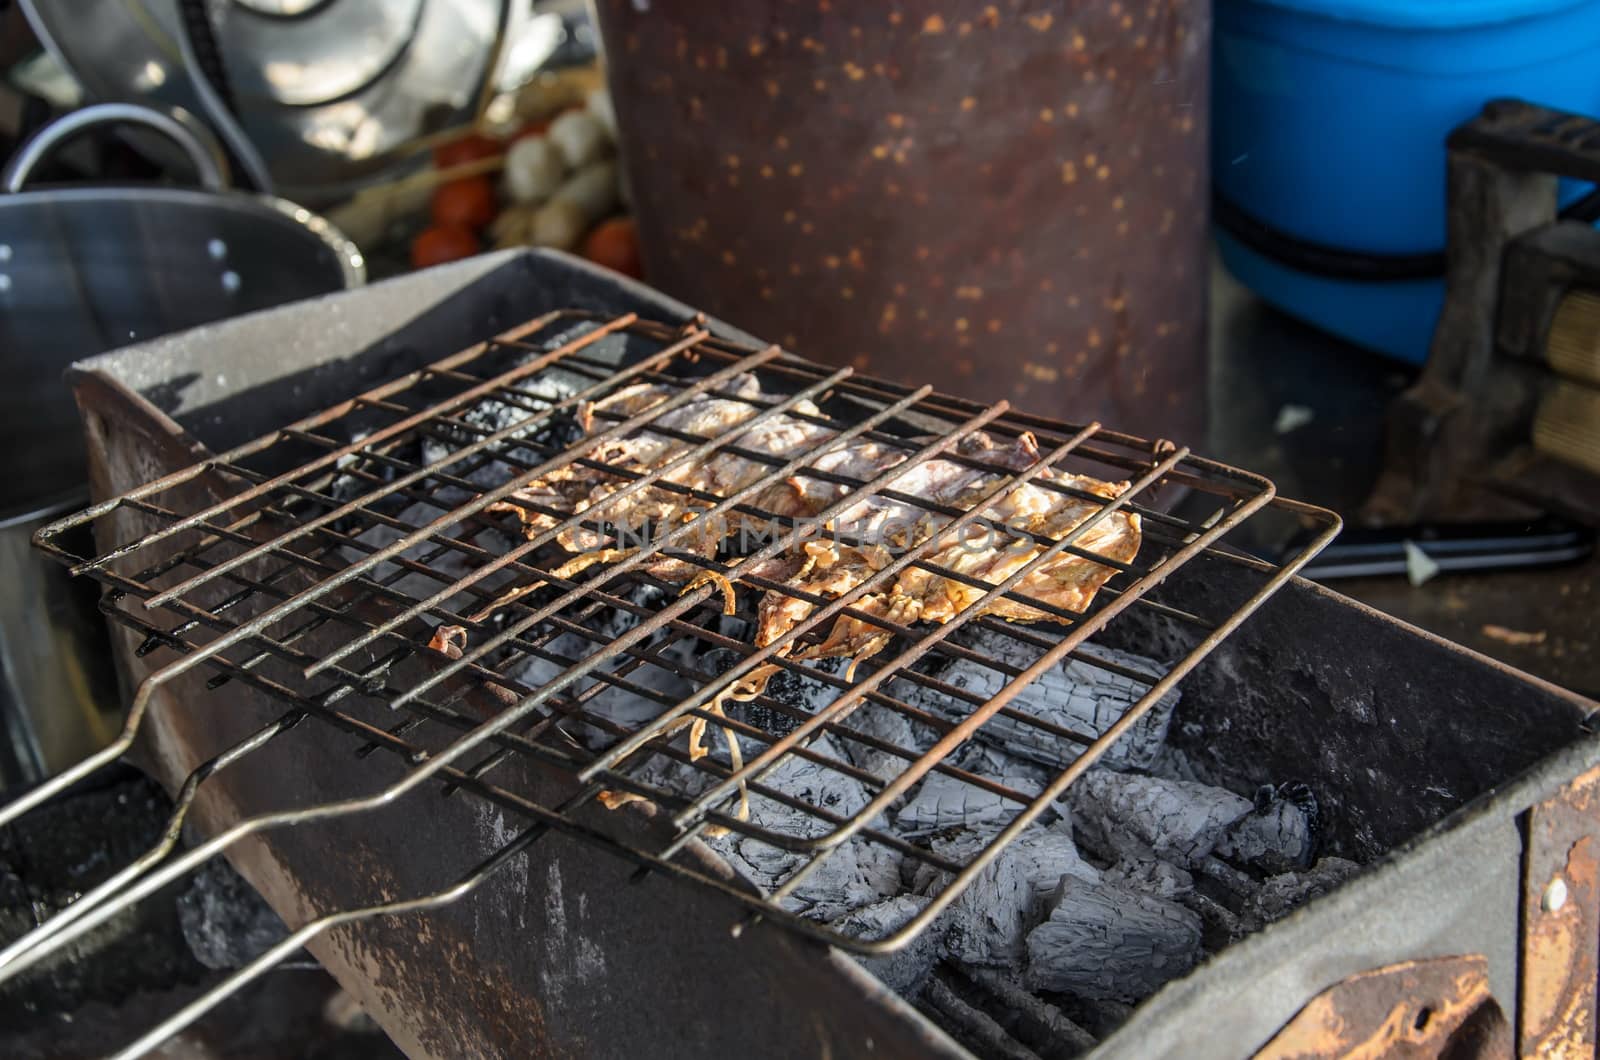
(382, 569)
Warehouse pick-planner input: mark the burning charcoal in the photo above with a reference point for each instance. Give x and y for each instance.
(986, 925)
(856, 874)
(620, 706)
(942, 801)
(1075, 695)
(1160, 878)
(891, 727)
(1180, 821)
(1110, 941)
(806, 695)
(1281, 895)
(1274, 839)
(904, 970)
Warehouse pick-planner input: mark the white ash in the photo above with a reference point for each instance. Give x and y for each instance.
(988, 923)
(1160, 878)
(1107, 940)
(1180, 821)
(904, 970)
(1074, 695)
(856, 873)
(942, 801)
(891, 727)
(620, 706)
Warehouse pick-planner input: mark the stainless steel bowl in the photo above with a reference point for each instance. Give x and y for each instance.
(82, 270)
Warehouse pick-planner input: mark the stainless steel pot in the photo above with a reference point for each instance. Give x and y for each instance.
(83, 270)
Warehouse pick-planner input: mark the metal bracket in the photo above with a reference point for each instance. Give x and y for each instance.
(1414, 1009)
(1561, 923)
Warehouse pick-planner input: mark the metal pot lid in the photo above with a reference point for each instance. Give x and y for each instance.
(329, 91)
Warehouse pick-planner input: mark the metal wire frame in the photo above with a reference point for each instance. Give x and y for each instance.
(236, 535)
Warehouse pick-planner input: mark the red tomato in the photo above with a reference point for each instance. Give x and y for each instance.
(615, 244)
(469, 148)
(442, 243)
(468, 202)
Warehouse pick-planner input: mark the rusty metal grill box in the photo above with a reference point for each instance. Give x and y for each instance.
(1442, 771)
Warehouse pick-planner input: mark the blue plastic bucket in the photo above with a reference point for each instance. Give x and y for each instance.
(1329, 121)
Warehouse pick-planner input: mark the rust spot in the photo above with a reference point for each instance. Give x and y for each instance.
(766, 172)
(880, 151)
(991, 16)
(1118, 203)
(811, 44)
(1410, 1009)
(1046, 114)
(933, 24)
(781, 143)
(795, 169)
(1069, 173)
(961, 323)
(854, 72)
(1070, 110)
(728, 258)
(896, 121)
(1078, 43)
(993, 325)
(1102, 172)
(756, 46)
(1040, 22)
(968, 102)
(964, 366)
(847, 293)
(820, 85)
(1560, 947)
(970, 293)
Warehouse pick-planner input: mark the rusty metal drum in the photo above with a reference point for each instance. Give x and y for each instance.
(1005, 200)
